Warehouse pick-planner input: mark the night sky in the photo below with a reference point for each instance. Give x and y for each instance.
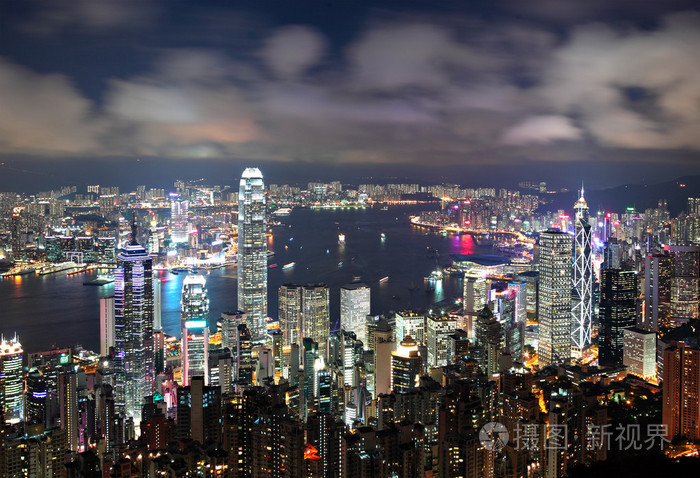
(476, 92)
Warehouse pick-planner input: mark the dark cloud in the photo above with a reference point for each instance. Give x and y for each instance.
(410, 89)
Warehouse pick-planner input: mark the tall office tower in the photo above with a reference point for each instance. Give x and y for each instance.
(639, 353)
(37, 392)
(316, 316)
(290, 311)
(198, 412)
(410, 323)
(159, 357)
(244, 356)
(195, 330)
(179, 227)
(16, 232)
(474, 298)
(133, 328)
(618, 311)
(252, 251)
(489, 342)
(582, 306)
(11, 380)
(354, 309)
(681, 391)
(437, 336)
(554, 309)
(106, 325)
(304, 312)
(229, 328)
(68, 398)
(157, 304)
(658, 272)
(406, 366)
(685, 283)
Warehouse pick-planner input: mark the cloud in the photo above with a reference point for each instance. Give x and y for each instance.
(44, 114)
(592, 75)
(95, 16)
(425, 91)
(541, 129)
(292, 50)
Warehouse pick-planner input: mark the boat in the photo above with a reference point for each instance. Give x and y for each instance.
(385, 208)
(383, 279)
(341, 238)
(340, 264)
(270, 253)
(435, 275)
(63, 266)
(272, 266)
(286, 267)
(100, 281)
(173, 271)
(283, 211)
(382, 236)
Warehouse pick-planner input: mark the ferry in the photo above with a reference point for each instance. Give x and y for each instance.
(383, 279)
(286, 267)
(63, 266)
(283, 211)
(341, 238)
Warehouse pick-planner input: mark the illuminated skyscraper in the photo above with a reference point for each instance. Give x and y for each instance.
(316, 315)
(582, 306)
(179, 227)
(304, 312)
(133, 328)
(618, 311)
(252, 250)
(354, 309)
(406, 366)
(554, 308)
(289, 300)
(681, 391)
(11, 380)
(195, 330)
(106, 325)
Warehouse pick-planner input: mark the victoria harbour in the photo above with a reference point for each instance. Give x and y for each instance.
(58, 310)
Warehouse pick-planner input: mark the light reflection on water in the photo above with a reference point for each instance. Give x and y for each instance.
(58, 309)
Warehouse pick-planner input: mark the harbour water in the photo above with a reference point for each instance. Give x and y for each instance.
(58, 310)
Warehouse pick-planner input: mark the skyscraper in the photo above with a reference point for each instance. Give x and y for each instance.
(252, 250)
(304, 312)
(179, 227)
(354, 309)
(11, 380)
(618, 311)
(406, 366)
(582, 310)
(658, 271)
(316, 316)
(106, 325)
(681, 391)
(289, 300)
(133, 328)
(195, 330)
(685, 283)
(554, 308)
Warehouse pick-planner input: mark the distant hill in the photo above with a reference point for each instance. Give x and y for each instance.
(640, 196)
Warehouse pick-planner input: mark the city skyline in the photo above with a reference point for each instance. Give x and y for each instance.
(322, 239)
